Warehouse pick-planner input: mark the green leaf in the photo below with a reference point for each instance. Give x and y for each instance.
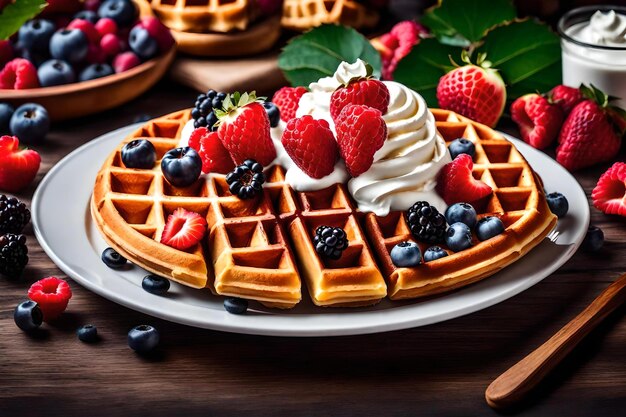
(318, 53)
(421, 69)
(463, 22)
(16, 14)
(527, 54)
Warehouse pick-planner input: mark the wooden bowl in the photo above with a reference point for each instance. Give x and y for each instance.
(88, 97)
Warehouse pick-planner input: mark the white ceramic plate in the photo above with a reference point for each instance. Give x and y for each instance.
(64, 228)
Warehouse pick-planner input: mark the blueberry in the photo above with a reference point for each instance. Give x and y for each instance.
(142, 44)
(35, 35)
(461, 145)
(55, 72)
(459, 237)
(69, 45)
(433, 253)
(93, 71)
(406, 254)
(143, 338)
(594, 239)
(30, 123)
(139, 153)
(28, 315)
(558, 204)
(6, 111)
(235, 305)
(123, 12)
(461, 212)
(35, 57)
(489, 227)
(272, 112)
(155, 284)
(181, 166)
(88, 15)
(112, 259)
(87, 333)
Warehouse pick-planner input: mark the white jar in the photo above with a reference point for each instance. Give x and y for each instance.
(593, 44)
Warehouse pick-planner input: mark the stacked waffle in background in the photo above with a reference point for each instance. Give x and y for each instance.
(301, 15)
(220, 27)
(299, 214)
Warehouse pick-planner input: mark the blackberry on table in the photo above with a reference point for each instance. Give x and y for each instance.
(330, 241)
(426, 223)
(203, 112)
(246, 180)
(14, 215)
(13, 255)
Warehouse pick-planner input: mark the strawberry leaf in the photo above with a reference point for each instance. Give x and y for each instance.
(462, 22)
(15, 14)
(318, 52)
(424, 65)
(527, 54)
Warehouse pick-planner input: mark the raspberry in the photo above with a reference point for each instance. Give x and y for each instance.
(110, 44)
(52, 294)
(87, 28)
(215, 158)
(565, 97)
(158, 31)
(287, 99)
(539, 120)
(125, 61)
(95, 55)
(609, 195)
(361, 131)
(456, 184)
(106, 26)
(19, 74)
(369, 92)
(311, 145)
(397, 44)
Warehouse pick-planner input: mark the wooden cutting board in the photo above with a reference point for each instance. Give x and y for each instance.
(259, 73)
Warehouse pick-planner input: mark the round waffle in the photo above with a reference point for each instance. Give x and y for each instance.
(262, 249)
(302, 15)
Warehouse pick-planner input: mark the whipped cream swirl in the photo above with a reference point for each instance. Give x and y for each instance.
(606, 29)
(405, 168)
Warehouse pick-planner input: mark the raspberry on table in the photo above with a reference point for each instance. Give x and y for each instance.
(52, 294)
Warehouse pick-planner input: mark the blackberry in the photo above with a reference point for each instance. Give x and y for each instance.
(14, 215)
(13, 255)
(246, 180)
(330, 241)
(203, 112)
(426, 223)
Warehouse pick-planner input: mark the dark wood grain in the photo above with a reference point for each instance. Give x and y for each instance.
(438, 370)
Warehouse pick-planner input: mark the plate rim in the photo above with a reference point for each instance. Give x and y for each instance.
(239, 324)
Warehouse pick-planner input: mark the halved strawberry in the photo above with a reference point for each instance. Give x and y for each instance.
(183, 229)
(609, 195)
(52, 294)
(18, 167)
(215, 157)
(455, 183)
(538, 119)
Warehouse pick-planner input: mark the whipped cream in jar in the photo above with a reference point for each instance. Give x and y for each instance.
(593, 44)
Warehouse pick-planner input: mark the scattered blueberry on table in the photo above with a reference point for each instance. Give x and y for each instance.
(30, 123)
(594, 239)
(143, 338)
(87, 333)
(28, 316)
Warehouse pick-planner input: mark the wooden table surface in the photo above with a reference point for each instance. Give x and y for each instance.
(437, 370)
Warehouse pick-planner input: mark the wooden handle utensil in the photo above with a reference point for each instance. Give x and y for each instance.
(513, 385)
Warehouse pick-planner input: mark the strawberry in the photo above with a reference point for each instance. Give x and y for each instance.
(52, 294)
(244, 129)
(591, 132)
(361, 131)
(609, 195)
(475, 91)
(18, 168)
(366, 91)
(311, 145)
(565, 97)
(455, 183)
(215, 158)
(539, 120)
(396, 44)
(183, 229)
(287, 99)
(19, 74)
